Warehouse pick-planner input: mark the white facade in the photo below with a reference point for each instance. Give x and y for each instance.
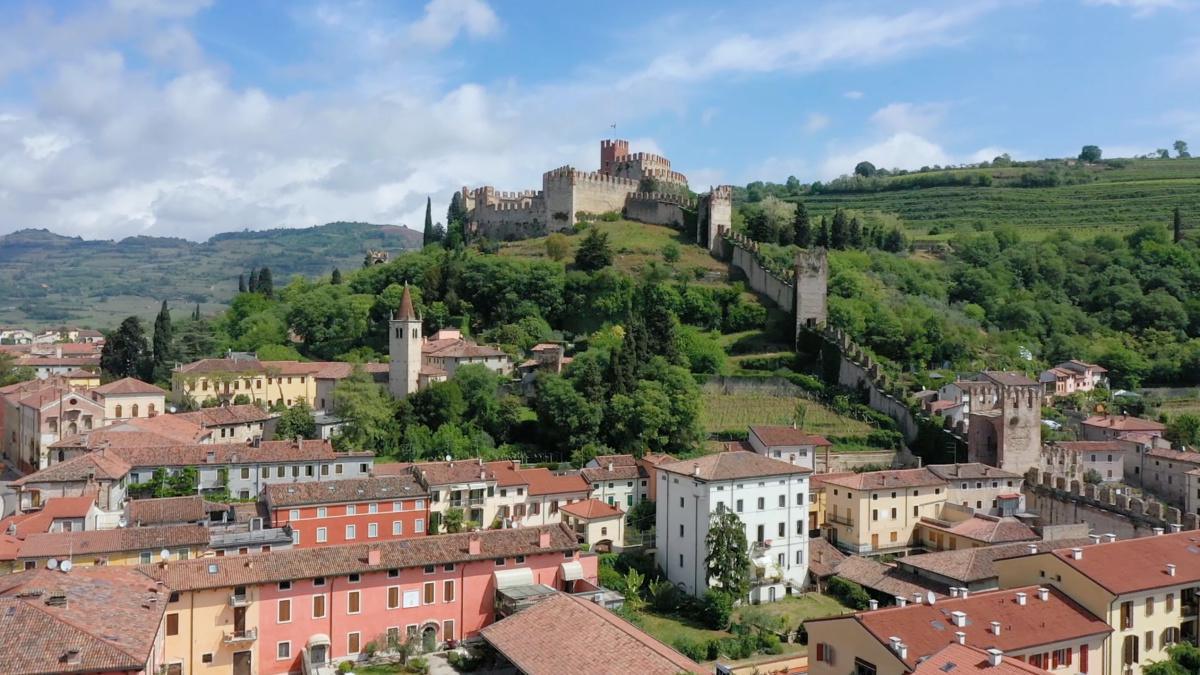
(774, 510)
(404, 353)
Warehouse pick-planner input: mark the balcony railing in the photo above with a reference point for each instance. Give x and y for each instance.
(473, 501)
(841, 520)
(239, 600)
(248, 635)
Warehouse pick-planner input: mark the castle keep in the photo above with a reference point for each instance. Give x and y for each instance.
(640, 185)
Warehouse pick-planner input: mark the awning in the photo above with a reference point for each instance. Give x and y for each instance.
(572, 571)
(318, 639)
(522, 576)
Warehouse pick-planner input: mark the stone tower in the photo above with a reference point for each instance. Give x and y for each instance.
(1005, 423)
(812, 281)
(714, 216)
(612, 152)
(404, 348)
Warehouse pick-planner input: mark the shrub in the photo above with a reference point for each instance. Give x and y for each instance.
(419, 665)
(718, 607)
(849, 593)
(744, 316)
(670, 252)
(693, 649)
(463, 663)
(345, 666)
(712, 649)
(770, 643)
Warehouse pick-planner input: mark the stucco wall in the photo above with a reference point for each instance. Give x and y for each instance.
(761, 281)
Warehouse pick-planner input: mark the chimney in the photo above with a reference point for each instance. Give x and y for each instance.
(1175, 528)
(958, 618)
(963, 592)
(1032, 548)
(695, 469)
(872, 604)
(901, 601)
(374, 557)
(917, 598)
(1110, 538)
(995, 627)
(1158, 531)
(1043, 593)
(610, 465)
(1021, 597)
(954, 591)
(482, 475)
(895, 642)
(474, 544)
(1095, 538)
(960, 637)
(1170, 569)
(544, 539)
(995, 657)
(903, 652)
(1076, 554)
(516, 464)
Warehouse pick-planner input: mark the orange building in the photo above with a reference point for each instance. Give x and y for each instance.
(349, 511)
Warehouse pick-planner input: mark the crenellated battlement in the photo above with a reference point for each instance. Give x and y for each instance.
(580, 177)
(663, 197)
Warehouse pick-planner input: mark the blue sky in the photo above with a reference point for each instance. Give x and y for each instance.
(191, 117)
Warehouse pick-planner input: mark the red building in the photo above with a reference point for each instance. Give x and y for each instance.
(352, 511)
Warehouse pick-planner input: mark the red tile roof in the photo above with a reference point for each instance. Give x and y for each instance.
(823, 558)
(543, 482)
(969, 470)
(966, 565)
(732, 466)
(21, 525)
(98, 465)
(1089, 446)
(783, 435)
(1132, 565)
(458, 348)
(597, 642)
(307, 563)
(406, 312)
(591, 509)
(106, 617)
(455, 471)
(128, 386)
(169, 510)
(955, 658)
(926, 629)
(376, 488)
(1175, 455)
(986, 529)
(1123, 423)
(89, 542)
(617, 472)
(883, 578)
(226, 415)
(267, 452)
(882, 480)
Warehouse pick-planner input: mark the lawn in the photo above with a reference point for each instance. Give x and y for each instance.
(720, 412)
(797, 609)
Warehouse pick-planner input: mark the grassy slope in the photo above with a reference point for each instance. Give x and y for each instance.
(1119, 200)
(719, 412)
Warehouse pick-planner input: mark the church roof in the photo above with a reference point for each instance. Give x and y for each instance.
(406, 311)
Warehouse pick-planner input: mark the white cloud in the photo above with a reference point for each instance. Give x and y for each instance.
(853, 94)
(902, 150)
(1143, 8)
(445, 19)
(44, 146)
(816, 122)
(917, 118)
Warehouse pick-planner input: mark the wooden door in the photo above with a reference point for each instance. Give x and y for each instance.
(241, 663)
(874, 542)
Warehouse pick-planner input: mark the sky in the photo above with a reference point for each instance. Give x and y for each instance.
(187, 118)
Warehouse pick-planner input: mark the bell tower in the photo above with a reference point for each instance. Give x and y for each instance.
(404, 348)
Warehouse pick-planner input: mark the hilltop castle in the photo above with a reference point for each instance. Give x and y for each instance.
(641, 185)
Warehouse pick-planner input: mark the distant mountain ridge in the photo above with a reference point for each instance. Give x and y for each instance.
(51, 278)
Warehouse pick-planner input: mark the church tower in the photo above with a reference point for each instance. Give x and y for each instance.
(404, 348)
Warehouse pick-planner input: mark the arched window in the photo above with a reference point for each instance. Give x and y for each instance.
(118, 411)
(53, 424)
(134, 411)
(150, 412)
(72, 428)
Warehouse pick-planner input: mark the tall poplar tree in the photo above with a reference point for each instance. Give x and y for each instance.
(802, 233)
(161, 345)
(427, 237)
(265, 285)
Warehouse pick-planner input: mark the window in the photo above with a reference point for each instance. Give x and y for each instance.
(824, 653)
(372, 508)
(394, 573)
(283, 613)
(245, 473)
(397, 506)
(285, 585)
(393, 597)
(351, 510)
(351, 532)
(1060, 658)
(681, 502)
(874, 514)
(782, 530)
(499, 562)
(419, 525)
(145, 557)
(1149, 640)
(279, 471)
(428, 596)
(799, 527)
(520, 560)
(318, 607)
(322, 535)
(1127, 617)
(430, 569)
(1170, 602)
(800, 557)
(762, 534)
(173, 623)
(352, 643)
(449, 567)
(681, 530)
(448, 591)
(681, 560)
(353, 578)
(739, 506)
(862, 667)
(762, 502)
(782, 501)
(353, 602)
(1149, 612)
(372, 530)
(916, 511)
(448, 629)
(206, 657)
(322, 511)
(283, 650)
(893, 513)
(397, 527)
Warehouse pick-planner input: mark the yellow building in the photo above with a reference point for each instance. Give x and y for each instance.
(959, 527)
(263, 382)
(212, 630)
(879, 510)
(1038, 625)
(597, 524)
(121, 546)
(1146, 589)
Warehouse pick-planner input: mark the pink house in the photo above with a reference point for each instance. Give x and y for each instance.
(1071, 376)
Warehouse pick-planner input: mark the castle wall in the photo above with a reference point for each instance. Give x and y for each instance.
(657, 208)
(597, 193)
(812, 277)
(760, 280)
(1059, 501)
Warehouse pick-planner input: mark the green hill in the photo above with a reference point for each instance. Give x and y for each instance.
(48, 278)
(1037, 198)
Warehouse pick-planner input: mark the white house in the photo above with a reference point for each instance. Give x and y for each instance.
(787, 444)
(769, 496)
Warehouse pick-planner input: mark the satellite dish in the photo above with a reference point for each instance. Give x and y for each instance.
(164, 555)
(122, 522)
(930, 598)
(66, 565)
(52, 564)
(448, 458)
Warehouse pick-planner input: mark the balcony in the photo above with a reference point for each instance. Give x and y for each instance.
(240, 636)
(840, 520)
(461, 503)
(239, 600)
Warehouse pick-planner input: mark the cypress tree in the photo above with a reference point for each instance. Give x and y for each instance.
(839, 233)
(265, 285)
(856, 233)
(801, 227)
(253, 286)
(161, 344)
(1177, 226)
(823, 233)
(336, 277)
(196, 314)
(427, 237)
(241, 283)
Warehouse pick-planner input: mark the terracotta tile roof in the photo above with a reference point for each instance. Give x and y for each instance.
(108, 619)
(967, 565)
(1089, 446)
(21, 525)
(1132, 565)
(267, 452)
(381, 488)
(783, 435)
(938, 406)
(128, 385)
(598, 642)
(405, 312)
(459, 349)
(101, 465)
(823, 558)
(51, 361)
(250, 366)
(432, 371)
(1010, 379)
(654, 459)
(120, 435)
(90, 542)
(969, 470)
(615, 460)
(1123, 423)
(955, 658)
(80, 374)
(732, 466)
(986, 529)
(591, 509)
(340, 370)
(169, 510)
(1175, 455)
(544, 482)
(883, 578)
(173, 426)
(347, 559)
(624, 467)
(392, 469)
(882, 480)
(926, 629)
(457, 471)
(226, 415)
